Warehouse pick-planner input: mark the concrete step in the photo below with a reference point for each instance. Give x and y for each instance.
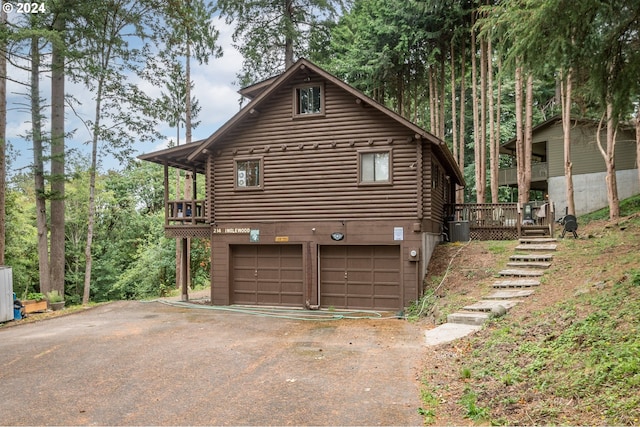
(529, 264)
(531, 257)
(516, 283)
(537, 240)
(489, 305)
(537, 247)
(520, 272)
(448, 332)
(510, 294)
(468, 318)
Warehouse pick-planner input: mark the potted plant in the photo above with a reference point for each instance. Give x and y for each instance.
(56, 301)
(34, 303)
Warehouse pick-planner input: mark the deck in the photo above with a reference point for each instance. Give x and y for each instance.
(186, 218)
(504, 221)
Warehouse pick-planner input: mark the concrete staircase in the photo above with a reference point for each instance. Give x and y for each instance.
(516, 282)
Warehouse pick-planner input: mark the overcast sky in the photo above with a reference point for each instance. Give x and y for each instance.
(214, 90)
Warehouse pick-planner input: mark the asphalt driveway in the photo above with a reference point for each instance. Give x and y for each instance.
(134, 363)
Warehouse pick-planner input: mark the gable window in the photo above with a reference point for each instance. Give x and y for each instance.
(248, 173)
(308, 100)
(375, 167)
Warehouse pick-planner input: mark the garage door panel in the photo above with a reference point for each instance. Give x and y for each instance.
(366, 277)
(267, 275)
(359, 264)
(385, 290)
(385, 277)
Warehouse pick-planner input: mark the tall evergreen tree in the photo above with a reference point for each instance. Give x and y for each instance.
(272, 34)
(106, 59)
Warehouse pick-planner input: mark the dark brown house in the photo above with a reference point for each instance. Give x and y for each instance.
(316, 196)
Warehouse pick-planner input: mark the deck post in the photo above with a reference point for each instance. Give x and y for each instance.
(183, 270)
(166, 193)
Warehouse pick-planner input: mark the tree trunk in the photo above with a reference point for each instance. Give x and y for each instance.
(638, 143)
(288, 43)
(441, 99)
(608, 155)
(565, 97)
(38, 170)
(493, 151)
(474, 105)
(3, 135)
(528, 137)
(519, 137)
(185, 252)
(92, 195)
(497, 117)
(461, 148)
(454, 120)
(187, 117)
(481, 171)
(432, 102)
(57, 263)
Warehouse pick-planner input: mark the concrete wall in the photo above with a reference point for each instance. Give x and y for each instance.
(429, 243)
(590, 190)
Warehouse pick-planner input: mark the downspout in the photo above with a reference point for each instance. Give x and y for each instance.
(419, 179)
(419, 210)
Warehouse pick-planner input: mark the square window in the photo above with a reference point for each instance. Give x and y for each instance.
(248, 173)
(375, 167)
(308, 100)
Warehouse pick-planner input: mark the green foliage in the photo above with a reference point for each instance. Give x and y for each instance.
(132, 258)
(430, 401)
(591, 358)
(421, 307)
(36, 296)
(266, 30)
(628, 207)
(465, 373)
(470, 401)
(54, 296)
(21, 249)
(152, 271)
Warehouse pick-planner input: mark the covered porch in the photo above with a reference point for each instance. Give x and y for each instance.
(499, 221)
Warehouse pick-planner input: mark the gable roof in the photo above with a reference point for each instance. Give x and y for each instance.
(261, 91)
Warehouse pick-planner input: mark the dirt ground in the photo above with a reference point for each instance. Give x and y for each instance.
(136, 363)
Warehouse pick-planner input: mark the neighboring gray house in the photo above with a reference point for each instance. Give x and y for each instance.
(589, 170)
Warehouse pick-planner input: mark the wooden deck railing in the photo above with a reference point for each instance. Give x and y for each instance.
(503, 221)
(185, 212)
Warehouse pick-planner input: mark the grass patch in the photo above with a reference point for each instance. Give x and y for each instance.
(627, 207)
(585, 353)
(474, 412)
(430, 402)
(572, 356)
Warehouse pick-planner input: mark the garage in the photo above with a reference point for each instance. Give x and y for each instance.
(267, 275)
(362, 277)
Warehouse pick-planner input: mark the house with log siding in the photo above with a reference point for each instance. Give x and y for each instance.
(316, 196)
